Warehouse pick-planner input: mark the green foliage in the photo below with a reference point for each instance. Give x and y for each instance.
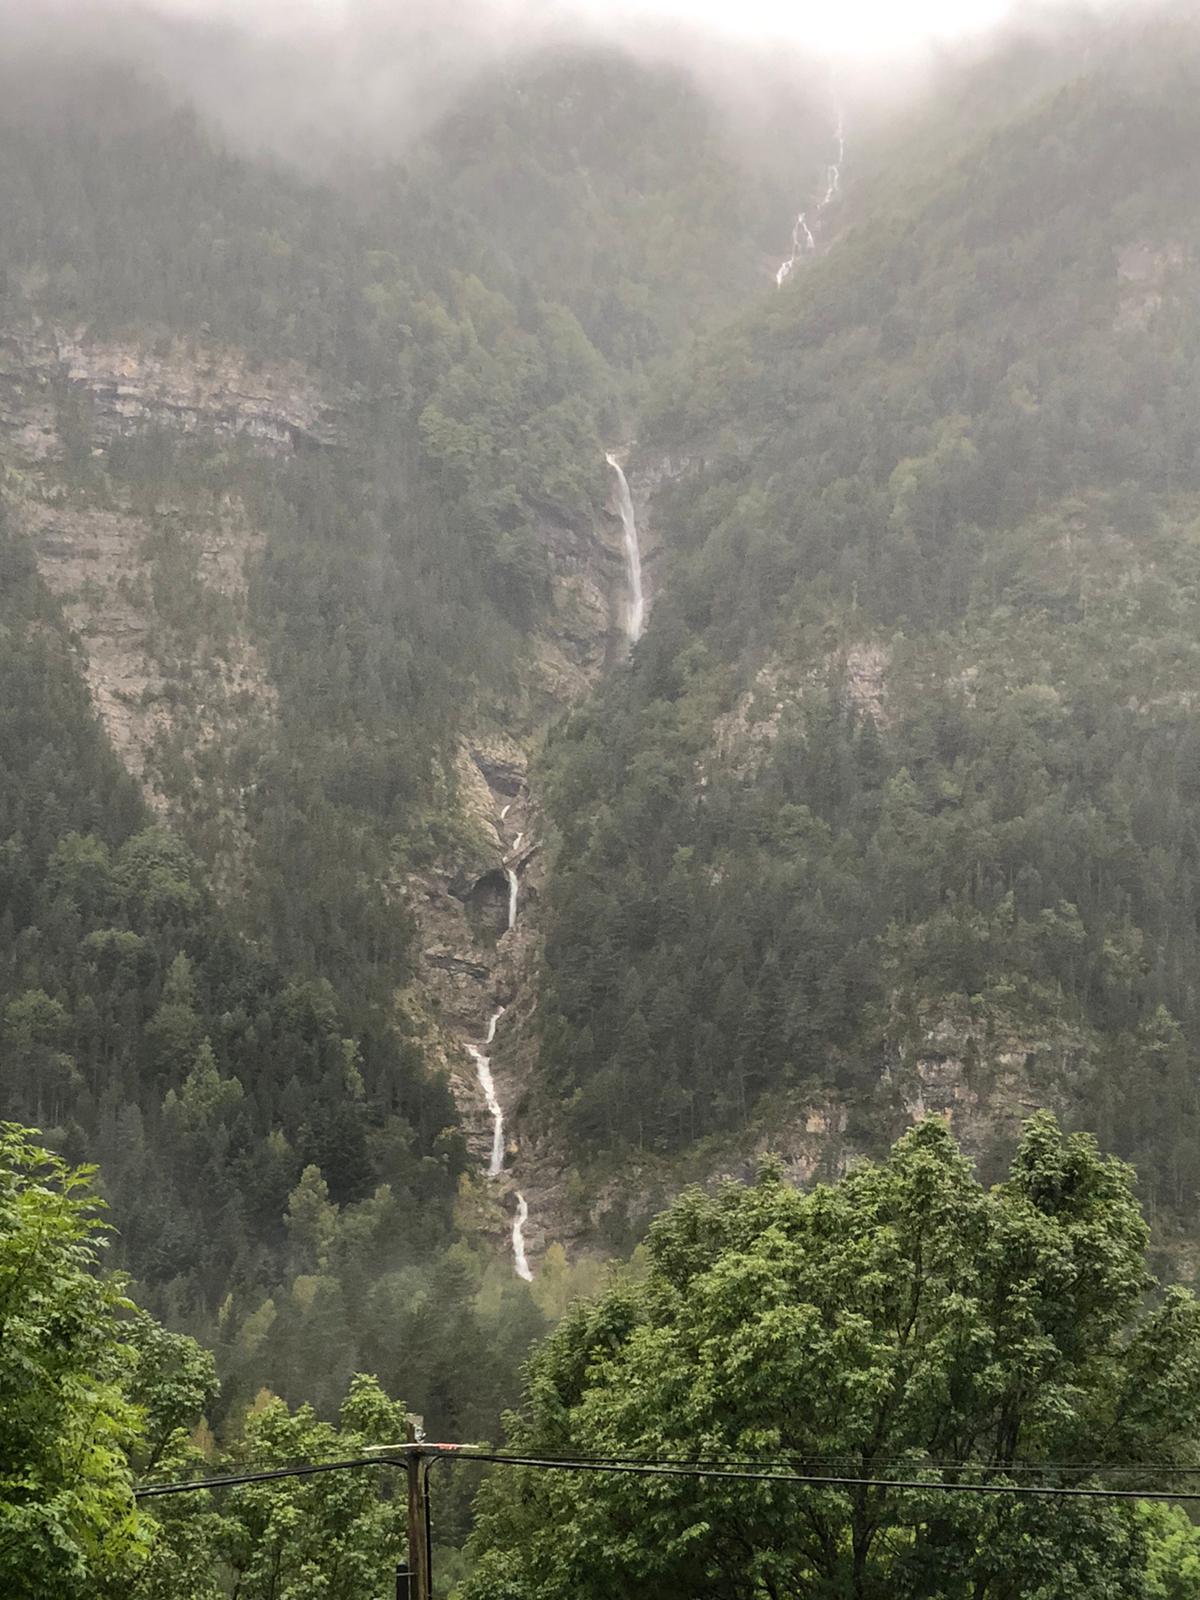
(142, 1030)
(625, 192)
(68, 1526)
(210, 1055)
(95, 1395)
(910, 737)
(339, 1535)
(902, 1317)
(173, 1382)
(1174, 1565)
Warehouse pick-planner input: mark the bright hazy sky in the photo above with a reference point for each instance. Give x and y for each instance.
(866, 25)
(859, 26)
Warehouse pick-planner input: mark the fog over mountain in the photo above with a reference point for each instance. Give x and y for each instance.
(361, 77)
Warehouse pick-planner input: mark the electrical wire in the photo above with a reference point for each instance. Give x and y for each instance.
(665, 1468)
(800, 1458)
(151, 1491)
(814, 1480)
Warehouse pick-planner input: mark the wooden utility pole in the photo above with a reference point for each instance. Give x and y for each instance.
(420, 1576)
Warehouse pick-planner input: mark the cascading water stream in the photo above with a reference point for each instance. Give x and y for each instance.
(518, 1239)
(483, 1069)
(633, 554)
(803, 240)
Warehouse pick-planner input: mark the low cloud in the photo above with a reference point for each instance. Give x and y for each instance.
(318, 80)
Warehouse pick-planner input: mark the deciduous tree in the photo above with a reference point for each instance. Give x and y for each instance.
(903, 1322)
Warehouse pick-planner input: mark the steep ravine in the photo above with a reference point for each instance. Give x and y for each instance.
(479, 915)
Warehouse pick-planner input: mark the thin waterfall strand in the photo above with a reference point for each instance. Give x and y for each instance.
(518, 1239)
(633, 553)
(483, 1070)
(802, 244)
(803, 241)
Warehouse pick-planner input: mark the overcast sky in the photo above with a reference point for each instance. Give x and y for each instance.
(866, 26)
(838, 24)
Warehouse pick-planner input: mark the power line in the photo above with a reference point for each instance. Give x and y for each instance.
(644, 1467)
(798, 1459)
(153, 1491)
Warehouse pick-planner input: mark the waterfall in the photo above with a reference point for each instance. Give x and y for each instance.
(833, 173)
(483, 1069)
(799, 247)
(518, 1239)
(803, 240)
(633, 554)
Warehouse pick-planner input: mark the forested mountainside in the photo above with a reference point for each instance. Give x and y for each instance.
(895, 810)
(272, 1166)
(629, 196)
(310, 537)
(652, 621)
(304, 489)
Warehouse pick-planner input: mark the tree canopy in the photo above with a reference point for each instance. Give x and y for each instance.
(68, 1526)
(95, 1396)
(900, 1320)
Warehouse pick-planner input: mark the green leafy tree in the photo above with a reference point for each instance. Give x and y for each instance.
(336, 1535)
(901, 1317)
(173, 1381)
(68, 1523)
(1174, 1566)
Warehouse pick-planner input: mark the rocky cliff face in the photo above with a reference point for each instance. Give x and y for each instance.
(157, 592)
(473, 961)
(101, 563)
(120, 388)
(575, 641)
(158, 598)
(743, 736)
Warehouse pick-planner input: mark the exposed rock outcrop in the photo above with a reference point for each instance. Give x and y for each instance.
(183, 686)
(117, 388)
(1144, 271)
(157, 594)
(743, 735)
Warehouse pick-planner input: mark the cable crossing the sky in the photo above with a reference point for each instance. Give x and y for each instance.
(743, 1470)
